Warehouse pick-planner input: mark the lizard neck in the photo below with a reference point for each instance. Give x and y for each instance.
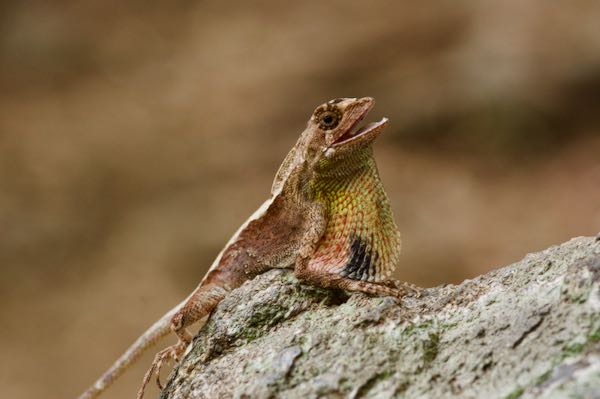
(361, 240)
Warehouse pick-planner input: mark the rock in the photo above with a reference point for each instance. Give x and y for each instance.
(531, 329)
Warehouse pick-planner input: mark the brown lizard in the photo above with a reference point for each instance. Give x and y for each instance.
(327, 217)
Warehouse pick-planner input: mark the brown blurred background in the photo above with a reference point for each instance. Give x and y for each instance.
(136, 137)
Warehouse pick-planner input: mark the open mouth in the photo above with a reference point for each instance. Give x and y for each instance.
(355, 132)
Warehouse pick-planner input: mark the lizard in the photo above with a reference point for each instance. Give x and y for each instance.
(327, 217)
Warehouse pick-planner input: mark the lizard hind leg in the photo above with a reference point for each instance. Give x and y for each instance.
(201, 303)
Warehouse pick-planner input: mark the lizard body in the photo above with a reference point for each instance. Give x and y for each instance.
(327, 217)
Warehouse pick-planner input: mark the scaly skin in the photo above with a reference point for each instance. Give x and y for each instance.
(361, 240)
(327, 217)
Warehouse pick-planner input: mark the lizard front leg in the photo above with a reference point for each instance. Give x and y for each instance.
(309, 271)
(327, 279)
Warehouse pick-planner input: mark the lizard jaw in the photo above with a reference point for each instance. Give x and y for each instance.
(348, 133)
(367, 132)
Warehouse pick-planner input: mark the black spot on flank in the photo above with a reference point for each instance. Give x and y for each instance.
(335, 101)
(360, 261)
(355, 253)
(359, 266)
(363, 271)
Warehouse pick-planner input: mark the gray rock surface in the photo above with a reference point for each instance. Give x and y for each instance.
(531, 329)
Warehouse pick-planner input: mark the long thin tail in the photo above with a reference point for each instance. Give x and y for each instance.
(150, 337)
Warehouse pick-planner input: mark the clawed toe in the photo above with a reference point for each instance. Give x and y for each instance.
(406, 289)
(413, 290)
(165, 356)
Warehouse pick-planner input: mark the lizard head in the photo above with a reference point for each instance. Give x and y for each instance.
(334, 130)
(332, 143)
(337, 121)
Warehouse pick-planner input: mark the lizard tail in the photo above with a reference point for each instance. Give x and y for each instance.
(150, 337)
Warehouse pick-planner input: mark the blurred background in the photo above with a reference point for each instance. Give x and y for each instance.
(135, 137)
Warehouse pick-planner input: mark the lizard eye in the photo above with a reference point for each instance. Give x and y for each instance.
(329, 118)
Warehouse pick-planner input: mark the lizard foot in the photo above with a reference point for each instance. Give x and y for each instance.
(407, 288)
(165, 356)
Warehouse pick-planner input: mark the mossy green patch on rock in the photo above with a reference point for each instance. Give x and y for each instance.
(431, 347)
(517, 393)
(573, 349)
